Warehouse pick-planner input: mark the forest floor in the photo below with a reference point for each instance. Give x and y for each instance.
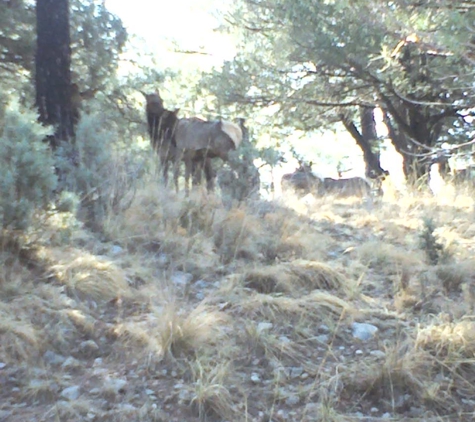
(182, 309)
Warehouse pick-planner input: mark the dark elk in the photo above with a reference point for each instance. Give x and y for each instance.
(302, 180)
(161, 127)
(192, 140)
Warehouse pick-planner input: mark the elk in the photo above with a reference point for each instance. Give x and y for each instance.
(191, 140)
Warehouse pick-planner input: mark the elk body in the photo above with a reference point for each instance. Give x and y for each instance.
(191, 140)
(303, 181)
(353, 186)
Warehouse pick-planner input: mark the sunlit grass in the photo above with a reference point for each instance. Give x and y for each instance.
(271, 290)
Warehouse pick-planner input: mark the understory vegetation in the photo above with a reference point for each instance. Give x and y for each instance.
(182, 308)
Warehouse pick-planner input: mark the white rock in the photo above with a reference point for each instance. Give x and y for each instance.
(116, 250)
(89, 348)
(377, 353)
(53, 358)
(363, 331)
(323, 338)
(255, 378)
(71, 393)
(264, 326)
(181, 278)
(115, 384)
(292, 400)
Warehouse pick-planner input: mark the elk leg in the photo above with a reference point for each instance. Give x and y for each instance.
(188, 170)
(165, 172)
(210, 175)
(176, 174)
(196, 172)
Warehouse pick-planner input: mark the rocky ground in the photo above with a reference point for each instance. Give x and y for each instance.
(310, 309)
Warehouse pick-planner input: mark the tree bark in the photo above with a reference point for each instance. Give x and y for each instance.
(414, 166)
(364, 140)
(53, 69)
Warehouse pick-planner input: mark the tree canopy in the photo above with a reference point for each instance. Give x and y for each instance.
(323, 61)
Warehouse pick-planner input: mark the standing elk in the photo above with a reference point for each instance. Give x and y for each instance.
(192, 140)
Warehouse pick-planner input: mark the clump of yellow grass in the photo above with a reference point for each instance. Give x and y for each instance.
(89, 277)
(295, 278)
(170, 331)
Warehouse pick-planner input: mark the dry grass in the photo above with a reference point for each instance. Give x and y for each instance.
(188, 310)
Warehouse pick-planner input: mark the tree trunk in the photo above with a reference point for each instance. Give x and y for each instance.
(53, 69)
(364, 139)
(414, 165)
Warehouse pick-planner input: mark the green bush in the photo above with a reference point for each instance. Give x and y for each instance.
(27, 177)
(428, 242)
(96, 171)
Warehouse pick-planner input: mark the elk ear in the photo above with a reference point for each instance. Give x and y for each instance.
(176, 111)
(143, 93)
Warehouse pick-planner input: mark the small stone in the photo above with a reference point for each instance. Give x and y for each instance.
(53, 358)
(116, 250)
(126, 407)
(359, 352)
(377, 353)
(292, 400)
(115, 385)
(162, 260)
(71, 393)
(70, 363)
(374, 410)
(149, 392)
(2, 365)
(322, 338)
(184, 395)
(363, 331)
(295, 372)
(180, 278)
(255, 378)
(89, 348)
(264, 326)
(201, 284)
